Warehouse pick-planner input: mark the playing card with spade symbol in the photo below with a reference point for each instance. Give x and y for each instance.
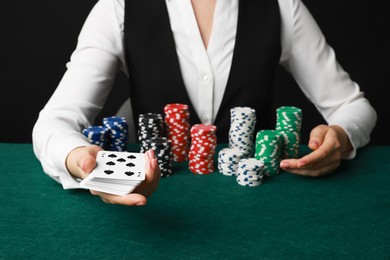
(116, 172)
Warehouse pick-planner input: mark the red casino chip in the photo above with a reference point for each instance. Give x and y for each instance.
(178, 130)
(176, 108)
(202, 149)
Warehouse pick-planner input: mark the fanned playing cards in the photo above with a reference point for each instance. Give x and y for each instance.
(116, 173)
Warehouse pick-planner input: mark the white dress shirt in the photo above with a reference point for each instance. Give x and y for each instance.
(99, 55)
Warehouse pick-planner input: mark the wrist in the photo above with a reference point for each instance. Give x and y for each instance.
(345, 142)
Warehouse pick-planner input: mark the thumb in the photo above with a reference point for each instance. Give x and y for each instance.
(86, 159)
(317, 136)
(82, 160)
(87, 163)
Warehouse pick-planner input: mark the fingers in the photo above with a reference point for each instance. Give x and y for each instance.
(152, 175)
(132, 199)
(320, 162)
(153, 170)
(323, 160)
(146, 189)
(318, 156)
(317, 136)
(82, 160)
(311, 171)
(311, 161)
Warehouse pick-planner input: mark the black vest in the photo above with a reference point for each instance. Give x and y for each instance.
(154, 72)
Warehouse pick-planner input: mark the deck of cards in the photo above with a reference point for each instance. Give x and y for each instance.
(116, 173)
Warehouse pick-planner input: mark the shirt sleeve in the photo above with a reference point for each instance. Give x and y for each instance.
(312, 63)
(82, 91)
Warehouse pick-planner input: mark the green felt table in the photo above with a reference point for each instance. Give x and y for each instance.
(342, 216)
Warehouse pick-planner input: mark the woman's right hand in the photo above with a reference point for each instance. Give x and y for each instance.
(82, 160)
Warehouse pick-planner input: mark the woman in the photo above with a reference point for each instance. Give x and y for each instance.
(211, 54)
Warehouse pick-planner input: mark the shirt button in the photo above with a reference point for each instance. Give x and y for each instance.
(205, 119)
(208, 77)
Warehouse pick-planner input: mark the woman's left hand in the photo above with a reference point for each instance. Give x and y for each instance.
(328, 143)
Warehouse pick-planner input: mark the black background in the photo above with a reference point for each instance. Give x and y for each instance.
(39, 37)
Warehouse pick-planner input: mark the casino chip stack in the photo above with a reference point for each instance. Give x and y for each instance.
(242, 129)
(163, 151)
(202, 150)
(268, 150)
(97, 135)
(117, 132)
(250, 172)
(288, 122)
(228, 159)
(178, 130)
(150, 125)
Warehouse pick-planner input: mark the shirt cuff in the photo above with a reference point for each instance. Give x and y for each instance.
(60, 171)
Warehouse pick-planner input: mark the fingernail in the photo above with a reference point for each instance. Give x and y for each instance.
(313, 144)
(154, 164)
(284, 165)
(83, 165)
(140, 203)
